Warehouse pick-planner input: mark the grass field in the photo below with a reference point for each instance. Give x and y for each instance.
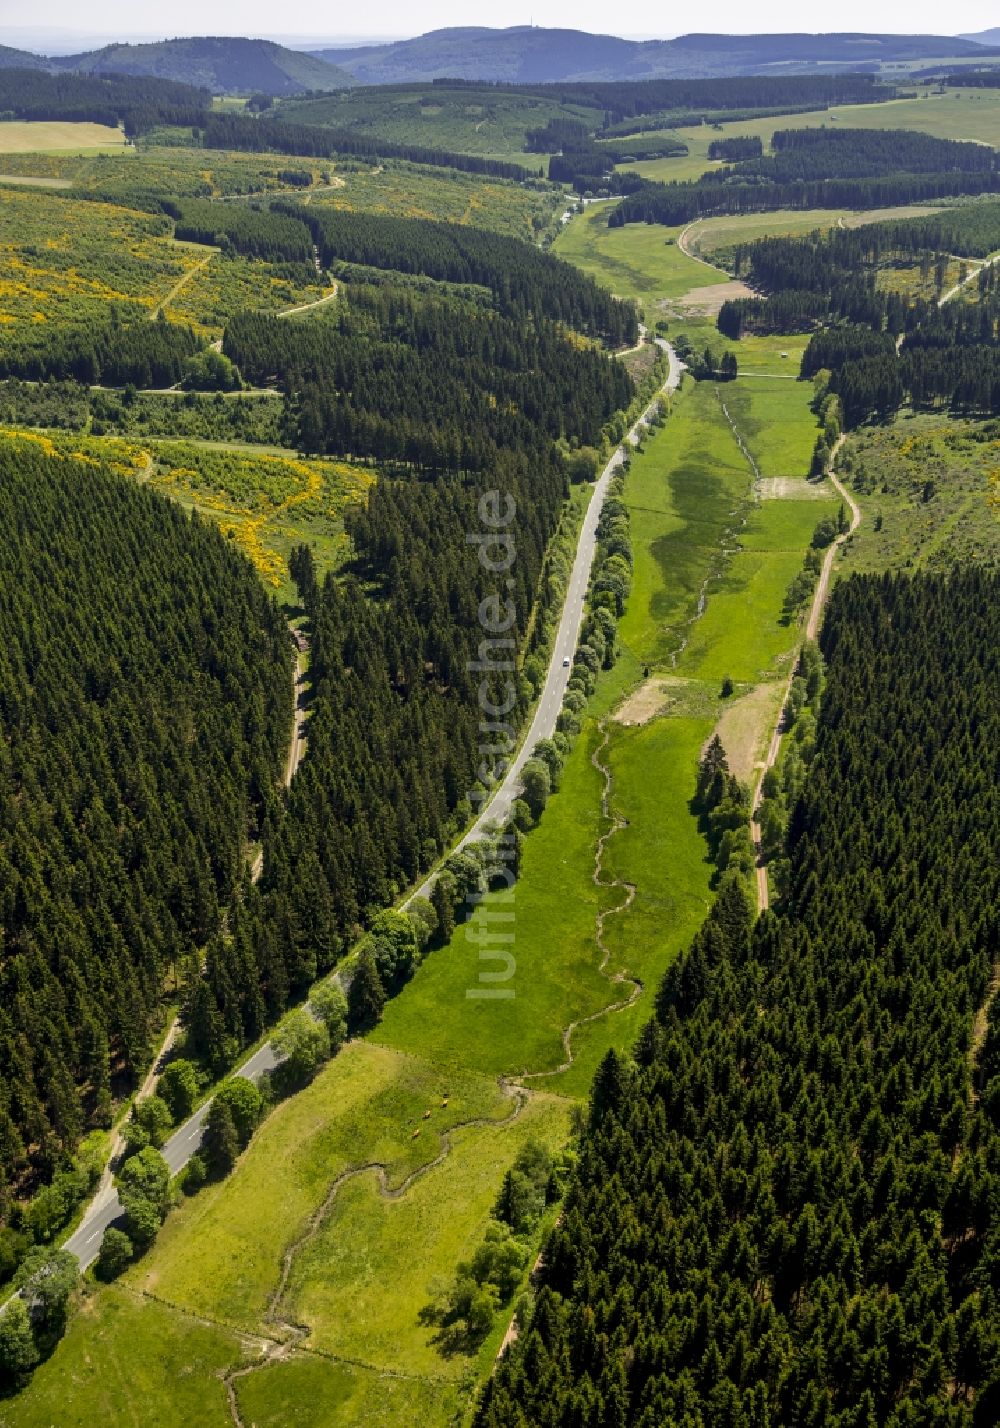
(383, 1241)
(640, 261)
(220, 1254)
(956, 114)
(556, 978)
(741, 633)
(314, 1392)
(683, 493)
(773, 416)
(129, 1360)
(27, 137)
(362, 1281)
(773, 356)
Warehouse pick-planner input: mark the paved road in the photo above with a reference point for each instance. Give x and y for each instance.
(106, 1208)
(557, 678)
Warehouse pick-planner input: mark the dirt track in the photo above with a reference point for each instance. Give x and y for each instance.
(811, 631)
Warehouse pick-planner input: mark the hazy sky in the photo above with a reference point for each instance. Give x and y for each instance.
(311, 20)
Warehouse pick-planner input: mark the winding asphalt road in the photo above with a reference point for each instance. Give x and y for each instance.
(106, 1208)
(557, 677)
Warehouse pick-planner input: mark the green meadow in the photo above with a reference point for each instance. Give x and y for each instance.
(640, 261)
(221, 1253)
(361, 1283)
(313, 1392)
(683, 493)
(956, 114)
(129, 1360)
(413, 1129)
(556, 979)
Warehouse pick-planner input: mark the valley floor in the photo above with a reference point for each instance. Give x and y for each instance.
(291, 1293)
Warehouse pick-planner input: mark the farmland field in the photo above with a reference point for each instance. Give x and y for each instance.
(34, 136)
(956, 114)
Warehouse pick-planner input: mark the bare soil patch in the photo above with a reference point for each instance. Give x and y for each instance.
(650, 699)
(640, 361)
(707, 302)
(744, 727)
(793, 488)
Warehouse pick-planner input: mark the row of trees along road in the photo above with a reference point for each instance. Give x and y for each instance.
(785, 1207)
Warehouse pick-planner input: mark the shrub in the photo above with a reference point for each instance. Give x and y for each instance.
(245, 1104)
(18, 1352)
(116, 1251)
(330, 1006)
(178, 1087)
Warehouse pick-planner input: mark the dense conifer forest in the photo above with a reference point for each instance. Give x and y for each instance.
(883, 346)
(625, 100)
(139, 103)
(823, 168)
(395, 741)
(144, 683)
(113, 354)
(785, 1206)
(274, 237)
(428, 382)
(525, 282)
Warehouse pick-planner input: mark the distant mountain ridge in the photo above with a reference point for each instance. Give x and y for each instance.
(21, 59)
(220, 64)
(528, 55)
(522, 54)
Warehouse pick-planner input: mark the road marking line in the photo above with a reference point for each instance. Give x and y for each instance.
(92, 1237)
(196, 1131)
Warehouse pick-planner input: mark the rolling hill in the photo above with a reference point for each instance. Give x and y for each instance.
(529, 55)
(222, 65)
(20, 59)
